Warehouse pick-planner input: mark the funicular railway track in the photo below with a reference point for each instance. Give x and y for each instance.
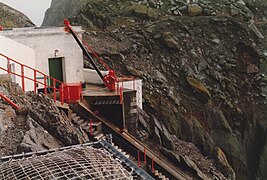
(131, 145)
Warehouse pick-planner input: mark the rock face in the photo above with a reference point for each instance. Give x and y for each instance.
(204, 75)
(140, 11)
(38, 125)
(60, 10)
(11, 18)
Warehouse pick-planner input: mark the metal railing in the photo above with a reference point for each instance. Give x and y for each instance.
(50, 84)
(120, 85)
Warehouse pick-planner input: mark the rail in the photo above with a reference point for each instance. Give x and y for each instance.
(9, 101)
(120, 85)
(49, 83)
(136, 146)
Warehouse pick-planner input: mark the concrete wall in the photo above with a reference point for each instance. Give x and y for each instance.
(135, 85)
(91, 76)
(20, 53)
(50, 43)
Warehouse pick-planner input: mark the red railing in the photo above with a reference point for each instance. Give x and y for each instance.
(50, 84)
(9, 101)
(120, 83)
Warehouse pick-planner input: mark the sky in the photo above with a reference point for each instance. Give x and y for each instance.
(34, 9)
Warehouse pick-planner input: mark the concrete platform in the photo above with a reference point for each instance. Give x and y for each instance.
(93, 90)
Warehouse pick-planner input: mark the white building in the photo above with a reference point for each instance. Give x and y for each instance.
(52, 51)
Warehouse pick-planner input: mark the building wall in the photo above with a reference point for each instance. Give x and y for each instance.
(91, 76)
(51, 43)
(20, 53)
(135, 85)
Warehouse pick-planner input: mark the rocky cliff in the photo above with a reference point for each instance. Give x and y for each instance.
(38, 125)
(11, 18)
(203, 65)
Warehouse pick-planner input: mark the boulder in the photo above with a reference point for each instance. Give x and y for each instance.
(143, 119)
(262, 173)
(198, 86)
(162, 133)
(157, 137)
(190, 163)
(140, 11)
(36, 139)
(223, 164)
(134, 71)
(252, 68)
(159, 77)
(5, 78)
(171, 43)
(194, 9)
(224, 137)
(152, 14)
(171, 155)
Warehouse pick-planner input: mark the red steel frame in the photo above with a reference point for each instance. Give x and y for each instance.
(35, 81)
(119, 88)
(9, 101)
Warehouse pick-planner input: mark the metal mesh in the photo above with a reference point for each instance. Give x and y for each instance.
(75, 163)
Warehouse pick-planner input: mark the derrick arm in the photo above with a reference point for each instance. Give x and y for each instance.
(109, 79)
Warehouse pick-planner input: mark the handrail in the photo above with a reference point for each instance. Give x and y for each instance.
(119, 88)
(9, 101)
(46, 79)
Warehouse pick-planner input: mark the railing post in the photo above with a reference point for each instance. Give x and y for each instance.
(45, 85)
(35, 81)
(118, 87)
(62, 93)
(81, 95)
(133, 83)
(8, 66)
(54, 89)
(91, 127)
(69, 95)
(153, 168)
(145, 155)
(121, 95)
(138, 158)
(121, 91)
(22, 78)
(9, 101)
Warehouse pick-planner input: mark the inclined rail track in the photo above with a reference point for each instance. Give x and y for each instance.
(130, 143)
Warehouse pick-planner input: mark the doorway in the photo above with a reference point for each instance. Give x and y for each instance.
(56, 70)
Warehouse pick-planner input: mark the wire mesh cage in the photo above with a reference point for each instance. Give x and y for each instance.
(83, 162)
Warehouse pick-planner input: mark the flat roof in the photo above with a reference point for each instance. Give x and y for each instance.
(37, 31)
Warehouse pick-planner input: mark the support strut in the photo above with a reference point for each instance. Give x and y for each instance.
(85, 51)
(110, 79)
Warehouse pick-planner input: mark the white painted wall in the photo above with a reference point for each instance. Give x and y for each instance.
(46, 42)
(91, 76)
(20, 53)
(135, 85)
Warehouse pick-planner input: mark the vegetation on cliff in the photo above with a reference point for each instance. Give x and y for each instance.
(11, 18)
